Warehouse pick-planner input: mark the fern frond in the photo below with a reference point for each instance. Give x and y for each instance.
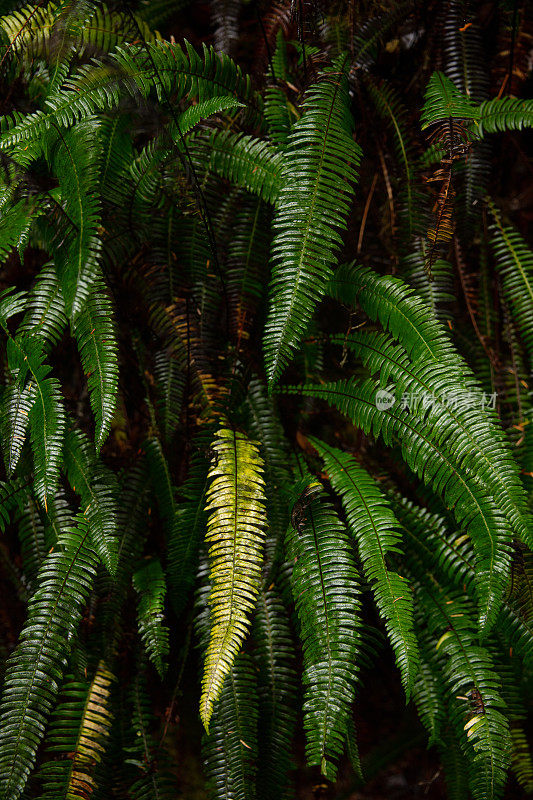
(472, 506)
(319, 170)
(373, 525)
(94, 331)
(328, 614)
(235, 533)
(278, 688)
(35, 668)
(80, 726)
(45, 311)
(149, 583)
(180, 72)
(35, 401)
(15, 224)
(409, 320)
(443, 101)
(265, 428)
(503, 114)
(514, 260)
(74, 156)
(230, 747)
(96, 485)
(473, 688)
(244, 160)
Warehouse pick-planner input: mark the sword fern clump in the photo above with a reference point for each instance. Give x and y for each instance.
(266, 308)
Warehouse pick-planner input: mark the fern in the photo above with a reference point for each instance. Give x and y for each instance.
(36, 666)
(319, 170)
(80, 726)
(327, 611)
(373, 526)
(95, 335)
(235, 534)
(149, 583)
(97, 489)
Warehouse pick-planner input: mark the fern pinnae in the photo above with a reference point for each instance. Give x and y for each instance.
(320, 168)
(36, 666)
(95, 336)
(373, 525)
(97, 487)
(236, 529)
(436, 465)
(149, 583)
(328, 617)
(277, 684)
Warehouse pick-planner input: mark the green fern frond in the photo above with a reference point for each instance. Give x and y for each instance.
(180, 72)
(443, 101)
(15, 225)
(265, 427)
(319, 170)
(45, 310)
(80, 727)
(327, 611)
(235, 534)
(230, 747)
(149, 583)
(503, 114)
(373, 525)
(514, 260)
(435, 463)
(36, 402)
(473, 688)
(244, 160)
(389, 300)
(94, 332)
(74, 156)
(278, 689)
(96, 485)
(35, 668)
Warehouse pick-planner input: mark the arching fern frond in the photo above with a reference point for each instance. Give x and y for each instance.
(34, 672)
(96, 485)
(149, 583)
(45, 311)
(514, 260)
(274, 656)
(328, 614)
(235, 534)
(374, 527)
(243, 160)
(94, 331)
(80, 726)
(436, 464)
(319, 170)
(503, 114)
(74, 157)
(443, 101)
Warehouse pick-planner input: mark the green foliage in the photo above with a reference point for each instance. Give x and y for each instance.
(373, 526)
(243, 399)
(328, 617)
(235, 501)
(319, 170)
